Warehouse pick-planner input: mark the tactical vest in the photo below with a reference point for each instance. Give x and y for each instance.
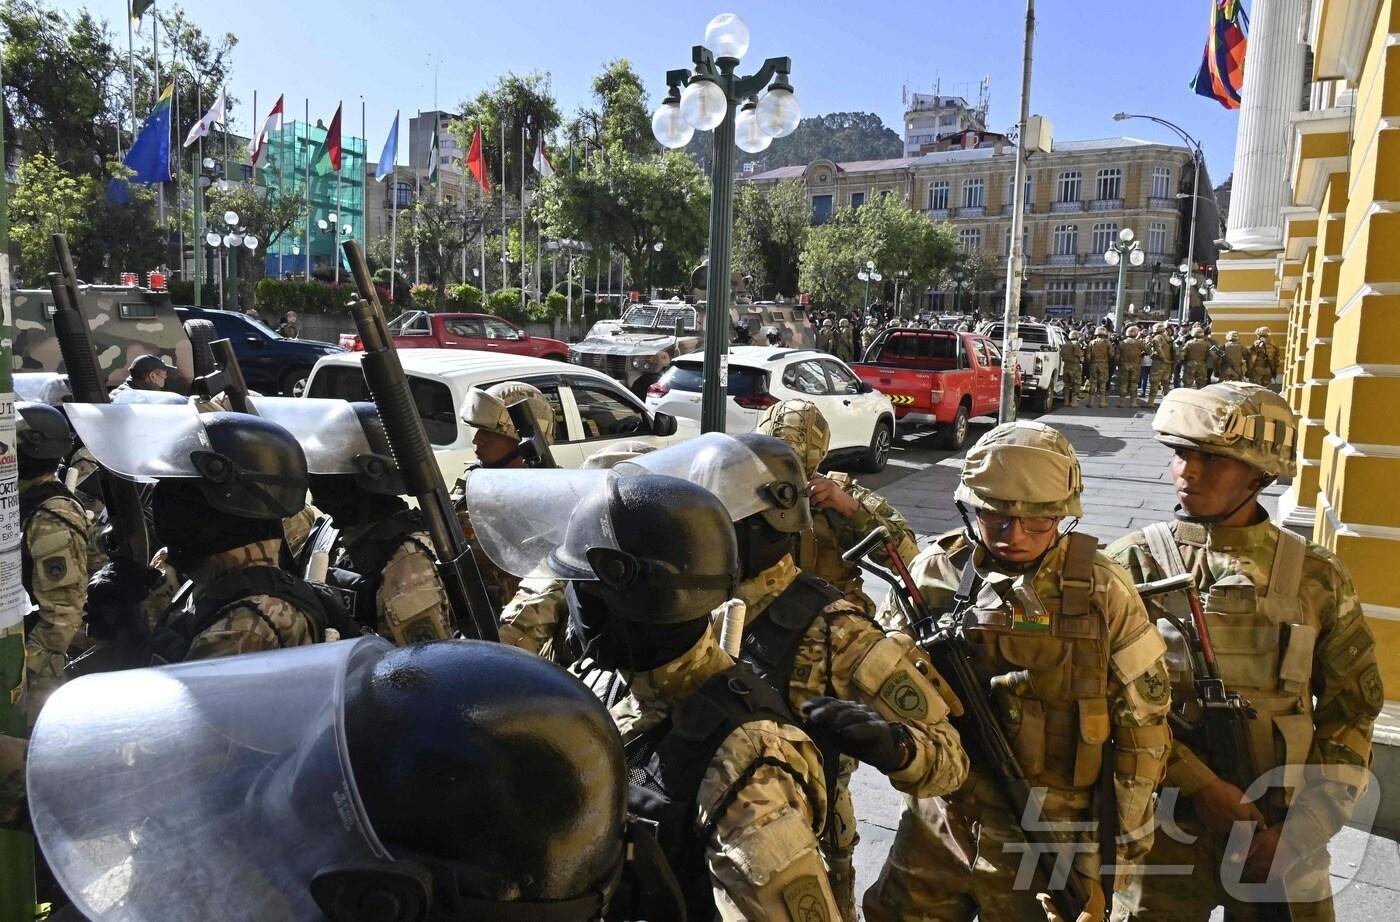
(1100, 351)
(370, 554)
(1232, 360)
(1163, 349)
(818, 550)
(1046, 661)
(1263, 645)
(771, 639)
(171, 644)
(1130, 353)
(29, 502)
(665, 766)
(1196, 351)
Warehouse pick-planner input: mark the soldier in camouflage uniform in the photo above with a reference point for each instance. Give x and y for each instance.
(1263, 359)
(843, 510)
(1195, 359)
(1163, 362)
(1128, 356)
(826, 336)
(1231, 359)
(218, 511)
(843, 344)
(717, 761)
(499, 444)
(54, 548)
(1289, 636)
(1071, 369)
(868, 334)
(813, 645)
(1100, 354)
(1076, 672)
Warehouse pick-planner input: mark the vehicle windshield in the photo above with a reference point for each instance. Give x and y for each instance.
(689, 376)
(659, 316)
(1028, 334)
(402, 321)
(262, 328)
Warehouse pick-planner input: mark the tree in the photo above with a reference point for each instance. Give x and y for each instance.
(621, 115)
(883, 230)
(120, 237)
(838, 136)
(440, 231)
(267, 218)
(47, 200)
(516, 104)
(770, 229)
(628, 205)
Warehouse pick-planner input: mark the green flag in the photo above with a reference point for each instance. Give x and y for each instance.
(433, 161)
(327, 157)
(139, 7)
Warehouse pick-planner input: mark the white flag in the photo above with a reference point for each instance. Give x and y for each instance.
(201, 128)
(258, 144)
(541, 162)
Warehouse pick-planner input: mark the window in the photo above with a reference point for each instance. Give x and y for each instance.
(414, 324)
(1065, 240)
(1025, 240)
(432, 398)
(605, 414)
(980, 347)
(464, 326)
(1011, 189)
(247, 169)
(687, 376)
(842, 380)
(857, 199)
(1157, 237)
(1059, 294)
(821, 209)
(1108, 184)
(1161, 182)
(1105, 233)
(938, 195)
(1100, 295)
(805, 378)
(550, 389)
(974, 193)
(403, 195)
(1067, 187)
(971, 240)
(948, 121)
(496, 329)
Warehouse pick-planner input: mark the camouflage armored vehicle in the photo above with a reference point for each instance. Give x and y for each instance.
(637, 349)
(125, 321)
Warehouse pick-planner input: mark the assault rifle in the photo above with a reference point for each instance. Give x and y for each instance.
(472, 608)
(979, 725)
(227, 378)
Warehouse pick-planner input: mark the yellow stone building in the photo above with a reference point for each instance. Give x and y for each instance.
(1314, 232)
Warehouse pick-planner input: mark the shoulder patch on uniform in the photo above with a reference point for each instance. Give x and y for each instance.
(902, 693)
(55, 568)
(803, 898)
(1370, 684)
(1155, 685)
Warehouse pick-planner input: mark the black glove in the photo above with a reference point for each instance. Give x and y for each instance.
(860, 732)
(114, 598)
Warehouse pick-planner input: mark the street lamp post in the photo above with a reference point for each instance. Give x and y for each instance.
(231, 242)
(707, 103)
(1196, 157)
(900, 275)
(867, 275)
(959, 283)
(1122, 252)
(656, 249)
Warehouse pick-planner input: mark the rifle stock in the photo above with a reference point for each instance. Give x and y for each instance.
(127, 534)
(413, 453)
(227, 378)
(979, 725)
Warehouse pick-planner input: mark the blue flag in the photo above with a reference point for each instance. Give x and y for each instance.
(390, 156)
(149, 157)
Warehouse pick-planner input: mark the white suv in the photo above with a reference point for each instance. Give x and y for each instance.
(860, 417)
(1038, 355)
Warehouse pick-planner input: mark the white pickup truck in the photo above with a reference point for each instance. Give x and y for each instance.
(1037, 348)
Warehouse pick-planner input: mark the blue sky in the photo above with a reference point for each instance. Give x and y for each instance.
(1093, 57)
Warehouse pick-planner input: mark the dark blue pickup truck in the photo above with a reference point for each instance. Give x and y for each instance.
(272, 363)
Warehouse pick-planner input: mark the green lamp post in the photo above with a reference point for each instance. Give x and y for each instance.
(1121, 253)
(705, 99)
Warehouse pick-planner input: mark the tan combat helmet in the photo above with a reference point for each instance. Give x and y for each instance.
(1101, 331)
(512, 393)
(1233, 336)
(483, 410)
(1133, 332)
(1262, 331)
(801, 424)
(1233, 419)
(610, 456)
(1159, 327)
(1024, 468)
(1198, 331)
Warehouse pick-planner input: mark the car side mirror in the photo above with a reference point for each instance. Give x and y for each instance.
(663, 424)
(253, 339)
(865, 387)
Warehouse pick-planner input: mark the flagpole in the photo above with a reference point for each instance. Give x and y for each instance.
(196, 174)
(505, 222)
(282, 189)
(131, 66)
(394, 214)
(335, 244)
(306, 136)
(155, 91)
(417, 200)
(364, 179)
(524, 263)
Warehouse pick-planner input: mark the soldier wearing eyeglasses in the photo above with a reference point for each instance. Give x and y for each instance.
(1076, 674)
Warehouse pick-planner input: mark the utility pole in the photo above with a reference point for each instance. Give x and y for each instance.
(1016, 264)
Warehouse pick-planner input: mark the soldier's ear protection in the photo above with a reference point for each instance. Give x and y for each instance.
(220, 471)
(614, 568)
(781, 494)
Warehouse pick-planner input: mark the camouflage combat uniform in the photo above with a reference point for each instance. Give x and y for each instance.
(1079, 695)
(843, 344)
(1263, 360)
(1129, 358)
(410, 602)
(1071, 369)
(762, 801)
(55, 575)
(1163, 361)
(12, 793)
(535, 617)
(818, 551)
(1195, 362)
(253, 624)
(1287, 629)
(500, 585)
(845, 654)
(1100, 352)
(1231, 362)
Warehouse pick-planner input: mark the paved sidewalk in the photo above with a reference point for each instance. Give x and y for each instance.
(1126, 486)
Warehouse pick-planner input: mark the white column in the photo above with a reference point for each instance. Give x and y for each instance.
(1272, 92)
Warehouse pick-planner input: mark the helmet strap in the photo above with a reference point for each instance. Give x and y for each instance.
(504, 461)
(1261, 484)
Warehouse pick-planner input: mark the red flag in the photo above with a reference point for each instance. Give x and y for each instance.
(476, 162)
(329, 159)
(259, 144)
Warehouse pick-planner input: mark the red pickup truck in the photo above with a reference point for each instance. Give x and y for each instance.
(935, 378)
(485, 332)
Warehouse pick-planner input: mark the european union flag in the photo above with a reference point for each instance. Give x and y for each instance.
(149, 157)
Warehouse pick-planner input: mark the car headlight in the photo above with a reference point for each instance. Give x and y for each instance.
(640, 362)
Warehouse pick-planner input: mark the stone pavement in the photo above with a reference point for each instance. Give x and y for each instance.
(1126, 486)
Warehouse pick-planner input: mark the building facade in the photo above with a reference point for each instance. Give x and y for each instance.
(337, 199)
(1078, 198)
(1315, 226)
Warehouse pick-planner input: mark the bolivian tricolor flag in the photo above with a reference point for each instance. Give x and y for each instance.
(1221, 76)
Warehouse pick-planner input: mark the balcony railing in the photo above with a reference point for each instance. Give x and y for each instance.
(1063, 259)
(972, 211)
(1106, 204)
(1009, 207)
(1062, 207)
(937, 214)
(1161, 204)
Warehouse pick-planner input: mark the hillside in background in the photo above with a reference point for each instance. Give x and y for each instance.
(838, 136)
